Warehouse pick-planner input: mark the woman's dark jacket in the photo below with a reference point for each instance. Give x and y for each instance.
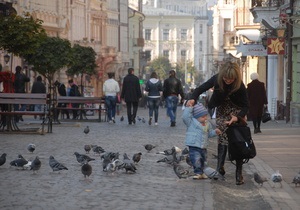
(238, 98)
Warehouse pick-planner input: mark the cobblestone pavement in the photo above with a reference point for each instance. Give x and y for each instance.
(154, 186)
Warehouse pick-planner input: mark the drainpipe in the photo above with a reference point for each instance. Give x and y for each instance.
(290, 64)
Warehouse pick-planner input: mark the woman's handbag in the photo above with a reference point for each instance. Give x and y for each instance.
(266, 116)
(240, 143)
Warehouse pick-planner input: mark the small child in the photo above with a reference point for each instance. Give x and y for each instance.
(197, 134)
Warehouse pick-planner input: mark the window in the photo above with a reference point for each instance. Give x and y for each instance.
(201, 29)
(183, 34)
(227, 25)
(166, 53)
(166, 33)
(200, 46)
(148, 55)
(183, 53)
(147, 34)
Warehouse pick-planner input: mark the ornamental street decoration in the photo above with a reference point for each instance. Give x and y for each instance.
(276, 46)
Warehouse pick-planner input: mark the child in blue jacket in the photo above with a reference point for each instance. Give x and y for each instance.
(198, 131)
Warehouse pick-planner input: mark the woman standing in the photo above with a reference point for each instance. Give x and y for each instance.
(257, 98)
(230, 99)
(154, 89)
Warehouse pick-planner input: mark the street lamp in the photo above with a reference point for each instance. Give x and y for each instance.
(6, 58)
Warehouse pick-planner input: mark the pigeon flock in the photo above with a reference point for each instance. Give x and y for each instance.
(111, 162)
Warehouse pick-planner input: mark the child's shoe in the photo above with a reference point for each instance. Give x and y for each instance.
(197, 176)
(204, 176)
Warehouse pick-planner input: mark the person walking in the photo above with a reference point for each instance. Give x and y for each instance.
(61, 88)
(74, 91)
(110, 89)
(38, 87)
(19, 87)
(198, 131)
(171, 89)
(154, 89)
(131, 93)
(257, 100)
(230, 99)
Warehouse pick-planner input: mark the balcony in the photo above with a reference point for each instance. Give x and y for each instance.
(267, 12)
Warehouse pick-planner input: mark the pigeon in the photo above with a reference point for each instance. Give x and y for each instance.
(138, 118)
(86, 130)
(180, 171)
(106, 161)
(259, 179)
(55, 165)
(87, 148)
(122, 118)
(296, 180)
(137, 157)
(2, 159)
(112, 167)
(185, 151)
(143, 120)
(81, 158)
(168, 151)
(149, 147)
(19, 163)
(168, 159)
(211, 173)
(128, 164)
(111, 155)
(97, 149)
(31, 147)
(36, 164)
(86, 169)
(276, 178)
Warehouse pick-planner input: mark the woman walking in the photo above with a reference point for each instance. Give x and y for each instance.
(154, 89)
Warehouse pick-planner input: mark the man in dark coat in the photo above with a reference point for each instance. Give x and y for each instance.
(131, 93)
(61, 88)
(257, 99)
(38, 87)
(74, 91)
(171, 89)
(19, 87)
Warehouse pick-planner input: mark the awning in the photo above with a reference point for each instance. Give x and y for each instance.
(251, 34)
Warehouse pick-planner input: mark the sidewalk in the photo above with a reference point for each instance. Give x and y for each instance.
(278, 148)
(154, 186)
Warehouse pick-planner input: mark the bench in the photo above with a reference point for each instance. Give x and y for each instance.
(8, 100)
(83, 101)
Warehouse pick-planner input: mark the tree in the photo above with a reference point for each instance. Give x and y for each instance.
(20, 35)
(161, 66)
(83, 61)
(52, 54)
(190, 71)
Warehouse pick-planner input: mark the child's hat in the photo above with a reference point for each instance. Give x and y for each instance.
(199, 111)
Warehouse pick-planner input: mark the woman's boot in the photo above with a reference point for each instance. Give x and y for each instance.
(222, 151)
(238, 172)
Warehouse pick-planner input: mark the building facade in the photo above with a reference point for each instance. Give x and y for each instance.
(177, 30)
(100, 24)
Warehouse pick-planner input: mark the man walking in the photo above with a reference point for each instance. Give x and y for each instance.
(131, 93)
(110, 89)
(172, 88)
